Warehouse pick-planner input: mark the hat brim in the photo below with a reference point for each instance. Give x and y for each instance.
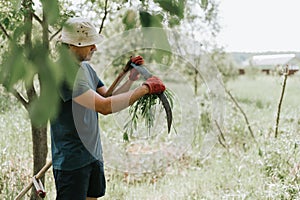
(81, 42)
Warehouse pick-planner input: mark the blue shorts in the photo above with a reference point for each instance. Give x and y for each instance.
(88, 181)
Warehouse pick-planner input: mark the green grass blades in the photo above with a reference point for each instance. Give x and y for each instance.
(145, 110)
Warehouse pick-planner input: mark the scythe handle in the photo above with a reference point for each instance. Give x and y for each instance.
(37, 176)
(115, 84)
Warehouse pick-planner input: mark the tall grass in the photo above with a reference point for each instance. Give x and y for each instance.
(268, 169)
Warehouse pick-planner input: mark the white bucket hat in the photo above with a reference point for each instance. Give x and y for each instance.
(79, 32)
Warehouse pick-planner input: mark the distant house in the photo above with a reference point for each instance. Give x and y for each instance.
(243, 66)
(274, 63)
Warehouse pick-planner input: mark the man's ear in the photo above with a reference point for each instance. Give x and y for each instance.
(73, 48)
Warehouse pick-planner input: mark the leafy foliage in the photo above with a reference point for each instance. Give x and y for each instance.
(9, 17)
(148, 20)
(129, 20)
(52, 8)
(145, 109)
(204, 4)
(29, 61)
(225, 64)
(174, 7)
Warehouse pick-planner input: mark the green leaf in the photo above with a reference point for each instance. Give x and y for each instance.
(125, 137)
(174, 7)
(129, 20)
(16, 3)
(148, 20)
(157, 36)
(204, 4)
(67, 64)
(173, 21)
(144, 109)
(31, 71)
(6, 21)
(52, 10)
(13, 68)
(46, 105)
(260, 152)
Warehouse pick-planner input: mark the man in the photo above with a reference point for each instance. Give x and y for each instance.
(75, 134)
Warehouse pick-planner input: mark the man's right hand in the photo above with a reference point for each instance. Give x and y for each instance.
(155, 85)
(138, 60)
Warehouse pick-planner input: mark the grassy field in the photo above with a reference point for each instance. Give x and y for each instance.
(238, 167)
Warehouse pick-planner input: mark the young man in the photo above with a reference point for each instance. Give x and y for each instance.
(75, 134)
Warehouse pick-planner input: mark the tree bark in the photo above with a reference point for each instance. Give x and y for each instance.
(196, 81)
(40, 151)
(28, 15)
(39, 133)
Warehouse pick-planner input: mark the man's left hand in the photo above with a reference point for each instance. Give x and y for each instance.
(134, 75)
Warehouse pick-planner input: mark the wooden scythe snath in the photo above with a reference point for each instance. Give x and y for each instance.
(36, 183)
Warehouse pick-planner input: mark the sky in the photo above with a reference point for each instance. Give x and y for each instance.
(260, 25)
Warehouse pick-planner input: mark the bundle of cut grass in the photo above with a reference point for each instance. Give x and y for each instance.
(144, 108)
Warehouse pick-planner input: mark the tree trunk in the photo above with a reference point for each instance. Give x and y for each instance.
(196, 82)
(40, 151)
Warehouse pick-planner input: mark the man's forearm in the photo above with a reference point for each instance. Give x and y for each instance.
(92, 100)
(123, 100)
(119, 102)
(123, 88)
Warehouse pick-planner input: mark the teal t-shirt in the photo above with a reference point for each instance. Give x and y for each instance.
(75, 133)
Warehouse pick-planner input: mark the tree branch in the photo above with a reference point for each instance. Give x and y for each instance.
(57, 32)
(45, 29)
(20, 98)
(286, 73)
(4, 31)
(241, 110)
(105, 15)
(37, 18)
(31, 93)
(28, 15)
(221, 137)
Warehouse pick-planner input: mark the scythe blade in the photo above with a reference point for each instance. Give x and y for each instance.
(166, 104)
